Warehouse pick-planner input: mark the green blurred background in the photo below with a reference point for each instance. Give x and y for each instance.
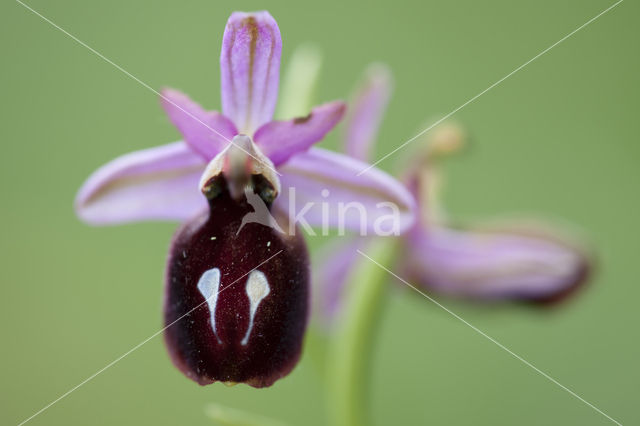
(558, 138)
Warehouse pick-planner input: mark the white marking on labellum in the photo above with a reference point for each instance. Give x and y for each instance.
(208, 285)
(257, 289)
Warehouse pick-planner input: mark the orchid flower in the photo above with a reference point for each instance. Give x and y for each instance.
(236, 291)
(525, 261)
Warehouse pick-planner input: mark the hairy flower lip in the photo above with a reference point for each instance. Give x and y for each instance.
(274, 346)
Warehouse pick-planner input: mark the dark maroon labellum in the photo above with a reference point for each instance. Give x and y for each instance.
(236, 303)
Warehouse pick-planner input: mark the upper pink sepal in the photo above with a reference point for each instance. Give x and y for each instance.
(250, 69)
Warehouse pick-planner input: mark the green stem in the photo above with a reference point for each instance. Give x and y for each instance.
(228, 416)
(351, 346)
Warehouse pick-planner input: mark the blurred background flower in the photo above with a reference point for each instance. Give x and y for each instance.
(517, 261)
(523, 259)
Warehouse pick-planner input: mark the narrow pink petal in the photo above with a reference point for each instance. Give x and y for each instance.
(330, 274)
(322, 188)
(366, 111)
(279, 140)
(495, 265)
(250, 69)
(153, 184)
(206, 132)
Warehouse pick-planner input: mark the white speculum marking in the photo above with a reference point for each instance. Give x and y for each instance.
(208, 285)
(257, 289)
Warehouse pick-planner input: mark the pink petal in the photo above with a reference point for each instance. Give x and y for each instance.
(322, 188)
(495, 264)
(153, 184)
(331, 272)
(279, 140)
(206, 132)
(366, 111)
(250, 68)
